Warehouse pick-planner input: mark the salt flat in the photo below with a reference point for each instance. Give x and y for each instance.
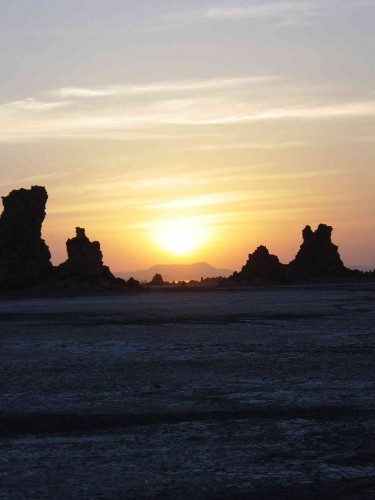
(260, 393)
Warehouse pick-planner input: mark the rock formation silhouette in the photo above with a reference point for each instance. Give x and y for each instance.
(261, 267)
(24, 255)
(132, 283)
(318, 256)
(85, 264)
(157, 280)
(85, 258)
(84, 267)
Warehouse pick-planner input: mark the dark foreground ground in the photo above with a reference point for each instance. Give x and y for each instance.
(227, 394)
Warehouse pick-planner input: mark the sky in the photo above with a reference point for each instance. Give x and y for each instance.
(184, 131)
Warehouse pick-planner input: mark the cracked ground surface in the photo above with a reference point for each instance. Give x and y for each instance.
(255, 393)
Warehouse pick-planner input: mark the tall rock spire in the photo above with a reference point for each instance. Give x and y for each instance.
(24, 255)
(318, 256)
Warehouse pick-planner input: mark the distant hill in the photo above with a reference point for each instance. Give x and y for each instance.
(176, 272)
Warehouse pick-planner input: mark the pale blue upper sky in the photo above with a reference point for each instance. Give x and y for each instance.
(50, 43)
(198, 98)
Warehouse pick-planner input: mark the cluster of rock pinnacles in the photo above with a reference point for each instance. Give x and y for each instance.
(25, 259)
(317, 258)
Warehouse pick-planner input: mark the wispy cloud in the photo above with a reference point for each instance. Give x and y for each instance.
(99, 203)
(144, 188)
(31, 104)
(283, 12)
(163, 87)
(144, 122)
(173, 110)
(219, 218)
(227, 112)
(247, 145)
(47, 177)
(199, 201)
(263, 10)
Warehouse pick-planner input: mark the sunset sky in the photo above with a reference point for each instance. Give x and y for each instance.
(186, 130)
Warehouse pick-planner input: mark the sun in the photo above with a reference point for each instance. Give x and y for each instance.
(179, 240)
(179, 237)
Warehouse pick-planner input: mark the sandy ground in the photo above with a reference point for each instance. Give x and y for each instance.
(261, 393)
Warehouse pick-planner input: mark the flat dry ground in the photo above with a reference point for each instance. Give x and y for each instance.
(259, 393)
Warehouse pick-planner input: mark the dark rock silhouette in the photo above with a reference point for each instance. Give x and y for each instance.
(214, 281)
(84, 257)
(261, 266)
(157, 280)
(84, 266)
(133, 283)
(24, 255)
(318, 256)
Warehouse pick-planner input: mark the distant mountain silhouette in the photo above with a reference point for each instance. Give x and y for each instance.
(175, 272)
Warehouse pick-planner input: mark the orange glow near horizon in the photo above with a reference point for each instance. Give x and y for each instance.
(214, 214)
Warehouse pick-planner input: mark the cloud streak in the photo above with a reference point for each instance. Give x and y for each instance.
(199, 201)
(143, 123)
(247, 145)
(163, 87)
(50, 176)
(31, 104)
(284, 10)
(172, 110)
